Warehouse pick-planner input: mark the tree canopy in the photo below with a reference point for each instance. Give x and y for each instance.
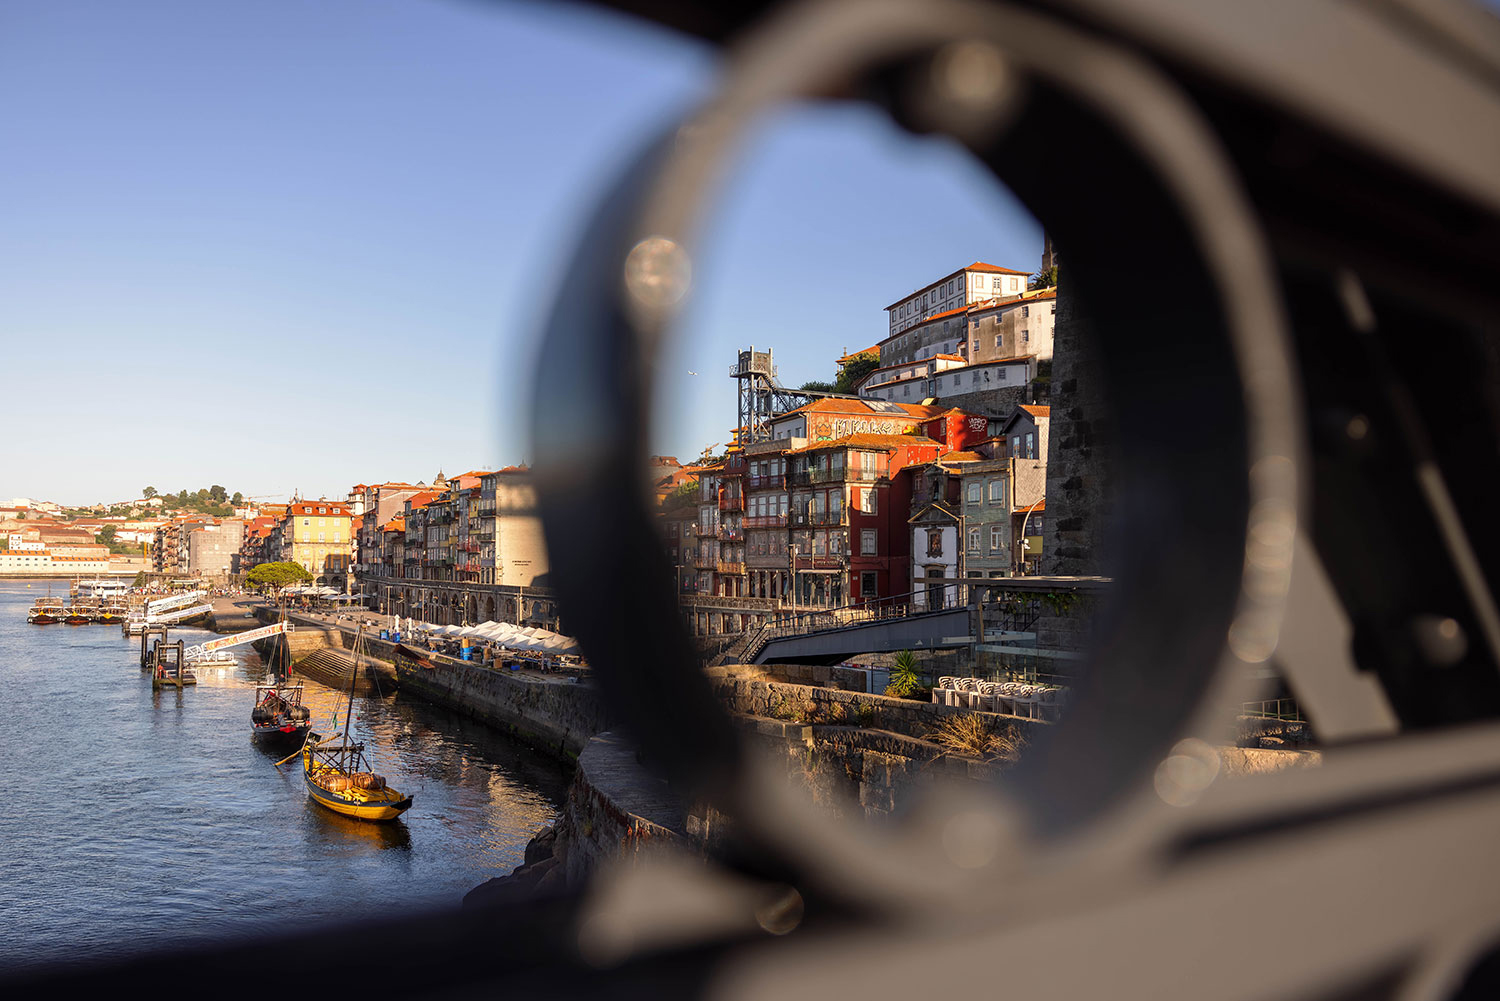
(1045, 278)
(279, 574)
(148, 492)
(855, 369)
(817, 386)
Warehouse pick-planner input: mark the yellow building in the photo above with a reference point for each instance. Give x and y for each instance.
(318, 535)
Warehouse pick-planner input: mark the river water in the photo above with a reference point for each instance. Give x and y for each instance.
(132, 818)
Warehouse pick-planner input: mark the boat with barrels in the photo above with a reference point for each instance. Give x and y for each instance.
(279, 717)
(337, 774)
(339, 777)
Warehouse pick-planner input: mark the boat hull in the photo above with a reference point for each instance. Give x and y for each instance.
(276, 734)
(43, 620)
(360, 810)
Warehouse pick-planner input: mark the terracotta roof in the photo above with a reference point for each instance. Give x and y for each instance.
(885, 442)
(845, 359)
(862, 409)
(976, 266)
(1036, 411)
(334, 508)
(396, 524)
(961, 457)
(1021, 512)
(422, 499)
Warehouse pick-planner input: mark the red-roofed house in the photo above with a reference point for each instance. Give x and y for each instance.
(967, 285)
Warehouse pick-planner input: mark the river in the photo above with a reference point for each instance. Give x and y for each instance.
(134, 818)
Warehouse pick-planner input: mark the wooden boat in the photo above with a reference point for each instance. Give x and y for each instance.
(279, 717)
(76, 617)
(44, 614)
(338, 776)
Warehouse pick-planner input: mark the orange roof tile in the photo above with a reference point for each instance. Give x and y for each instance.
(885, 442)
(845, 359)
(1036, 411)
(976, 266)
(862, 409)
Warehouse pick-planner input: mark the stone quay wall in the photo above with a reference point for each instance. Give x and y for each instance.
(749, 691)
(554, 716)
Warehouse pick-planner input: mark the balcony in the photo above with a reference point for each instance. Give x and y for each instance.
(705, 563)
(731, 502)
(705, 531)
(828, 517)
(765, 521)
(798, 478)
(767, 482)
(731, 568)
(727, 534)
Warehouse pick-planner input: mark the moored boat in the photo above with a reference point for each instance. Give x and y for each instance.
(338, 776)
(76, 617)
(45, 614)
(279, 717)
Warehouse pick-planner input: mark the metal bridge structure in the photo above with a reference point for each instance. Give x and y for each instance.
(762, 398)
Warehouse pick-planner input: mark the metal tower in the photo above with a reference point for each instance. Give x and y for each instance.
(763, 399)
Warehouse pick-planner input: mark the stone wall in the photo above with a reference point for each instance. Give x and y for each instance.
(1078, 450)
(616, 809)
(558, 716)
(744, 690)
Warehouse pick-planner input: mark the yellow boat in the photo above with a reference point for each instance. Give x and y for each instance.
(337, 775)
(338, 778)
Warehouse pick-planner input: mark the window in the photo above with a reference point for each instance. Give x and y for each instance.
(322, 510)
(1054, 307)
(335, 536)
(1025, 310)
(997, 283)
(867, 542)
(306, 522)
(974, 493)
(1030, 445)
(997, 340)
(997, 491)
(973, 540)
(1015, 284)
(934, 542)
(997, 542)
(1025, 337)
(1015, 446)
(867, 585)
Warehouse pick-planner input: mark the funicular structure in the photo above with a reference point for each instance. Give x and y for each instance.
(762, 398)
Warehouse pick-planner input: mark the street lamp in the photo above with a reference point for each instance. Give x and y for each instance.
(1021, 569)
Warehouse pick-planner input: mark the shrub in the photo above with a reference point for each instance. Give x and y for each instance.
(971, 735)
(905, 680)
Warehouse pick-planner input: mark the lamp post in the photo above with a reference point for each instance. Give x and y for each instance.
(1021, 567)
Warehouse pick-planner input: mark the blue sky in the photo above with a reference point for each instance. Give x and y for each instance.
(227, 224)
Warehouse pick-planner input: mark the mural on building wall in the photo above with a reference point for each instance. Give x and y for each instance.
(826, 428)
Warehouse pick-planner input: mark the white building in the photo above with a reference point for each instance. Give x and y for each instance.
(975, 283)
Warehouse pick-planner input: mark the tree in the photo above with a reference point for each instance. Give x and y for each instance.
(279, 574)
(856, 369)
(148, 492)
(182, 497)
(140, 579)
(237, 499)
(1045, 278)
(818, 387)
(218, 493)
(107, 536)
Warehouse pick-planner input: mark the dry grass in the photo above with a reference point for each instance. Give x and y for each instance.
(973, 736)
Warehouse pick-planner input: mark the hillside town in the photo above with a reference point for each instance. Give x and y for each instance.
(923, 465)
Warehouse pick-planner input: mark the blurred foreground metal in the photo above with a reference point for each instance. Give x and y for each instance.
(1317, 182)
